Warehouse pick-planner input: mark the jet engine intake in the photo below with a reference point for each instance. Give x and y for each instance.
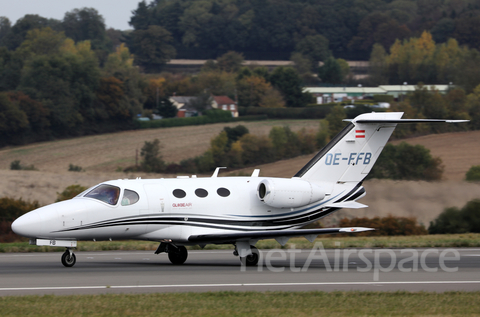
(288, 193)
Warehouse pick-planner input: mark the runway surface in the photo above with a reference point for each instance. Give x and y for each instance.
(436, 270)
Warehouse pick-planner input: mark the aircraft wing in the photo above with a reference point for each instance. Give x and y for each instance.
(279, 235)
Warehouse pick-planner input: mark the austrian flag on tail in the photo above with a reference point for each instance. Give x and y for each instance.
(360, 134)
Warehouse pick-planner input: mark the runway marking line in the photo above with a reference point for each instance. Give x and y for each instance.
(231, 285)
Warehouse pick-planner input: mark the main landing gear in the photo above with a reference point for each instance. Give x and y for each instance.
(68, 258)
(177, 254)
(251, 259)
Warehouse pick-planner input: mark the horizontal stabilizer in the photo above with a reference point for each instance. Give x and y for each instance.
(407, 121)
(347, 204)
(271, 234)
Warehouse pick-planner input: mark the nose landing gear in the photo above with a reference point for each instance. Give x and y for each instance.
(177, 254)
(68, 258)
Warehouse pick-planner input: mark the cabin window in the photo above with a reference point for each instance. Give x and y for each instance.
(223, 192)
(129, 197)
(106, 193)
(200, 192)
(179, 193)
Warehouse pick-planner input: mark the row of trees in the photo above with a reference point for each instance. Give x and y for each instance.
(423, 60)
(54, 87)
(424, 102)
(235, 148)
(271, 29)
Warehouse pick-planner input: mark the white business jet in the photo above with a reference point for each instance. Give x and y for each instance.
(220, 210)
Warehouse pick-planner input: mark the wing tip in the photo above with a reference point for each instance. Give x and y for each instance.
(355, 229)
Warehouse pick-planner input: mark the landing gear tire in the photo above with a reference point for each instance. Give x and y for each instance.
(68, 259)
(252, 259)
(177, 255)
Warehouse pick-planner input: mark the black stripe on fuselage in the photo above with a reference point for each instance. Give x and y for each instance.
(243, 225)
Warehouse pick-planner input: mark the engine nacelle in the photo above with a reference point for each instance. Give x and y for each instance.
(288, 193)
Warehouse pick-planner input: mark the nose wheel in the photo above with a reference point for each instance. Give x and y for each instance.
(68, 258)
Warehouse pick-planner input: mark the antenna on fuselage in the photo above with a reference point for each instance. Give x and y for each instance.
(215, 174)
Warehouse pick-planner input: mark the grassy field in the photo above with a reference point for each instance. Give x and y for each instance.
(248, 304)
(101, 155)
(331, 242)
(110, 152)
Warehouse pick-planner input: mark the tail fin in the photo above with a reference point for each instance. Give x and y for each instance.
(351, 154)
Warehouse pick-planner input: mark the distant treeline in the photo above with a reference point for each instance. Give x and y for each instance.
(273, 29)
(72, 77)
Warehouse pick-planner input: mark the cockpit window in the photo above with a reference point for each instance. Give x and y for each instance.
(106, 193)
(129, 197)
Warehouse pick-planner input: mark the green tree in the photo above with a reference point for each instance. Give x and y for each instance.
(230, 62)
(37, 116)
(454, 220)
(70, 191)
(141, 17)
(19, 31)
(66, 84)
(166, 108)
(234, 134)
(408, 162)
(473, 106)
(331, 72)
(13, 121)
(86, 24)
(121, 59)
(303, 64)
(473, 174)
(377, 68)
(335, 120)
(315, 47)
(5, 27)
(152, 160)
(43, 41)
(11, 65)
(151, 47)
(288, 82)
(218, 83)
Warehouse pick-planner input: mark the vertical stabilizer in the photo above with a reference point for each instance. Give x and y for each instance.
(350, 155)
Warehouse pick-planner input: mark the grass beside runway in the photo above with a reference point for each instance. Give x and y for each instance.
(332, 242)
(247, 304)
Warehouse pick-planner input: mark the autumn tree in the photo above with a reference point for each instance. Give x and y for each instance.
(272, 99)
(251, 90)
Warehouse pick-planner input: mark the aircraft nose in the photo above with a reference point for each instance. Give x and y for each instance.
(27, 225)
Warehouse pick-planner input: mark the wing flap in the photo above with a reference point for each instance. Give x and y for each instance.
(272, 234)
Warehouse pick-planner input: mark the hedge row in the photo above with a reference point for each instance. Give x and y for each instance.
(319, 112)
(386, 226)
(179, 122)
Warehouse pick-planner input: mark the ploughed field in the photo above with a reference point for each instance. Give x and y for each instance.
(101, 155)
